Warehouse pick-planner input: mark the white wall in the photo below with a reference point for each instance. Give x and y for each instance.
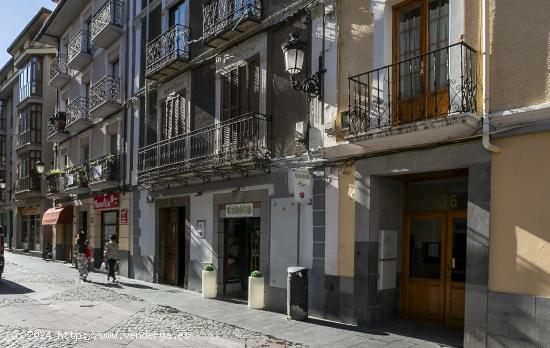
(331, 222)
(202, 250)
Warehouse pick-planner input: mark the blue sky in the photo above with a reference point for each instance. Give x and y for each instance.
(14, 16)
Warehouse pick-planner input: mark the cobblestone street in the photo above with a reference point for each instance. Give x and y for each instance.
(43, 304)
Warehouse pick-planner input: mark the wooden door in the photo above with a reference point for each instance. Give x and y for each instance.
(420, 57)
(424, 267)
(455, 269)
(170, 246)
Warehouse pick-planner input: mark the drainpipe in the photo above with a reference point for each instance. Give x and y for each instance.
(486, 138)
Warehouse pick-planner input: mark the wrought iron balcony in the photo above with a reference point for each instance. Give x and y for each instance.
(77, 179)
(28, 186)
(55, 182)
(57, 127)
(168, 53)
(59, 75)
(225, 19)
(79, 54)
(104, 172)
(424, 88)
(78, 115)
(107, 24)
(232, 148)
(105, 97)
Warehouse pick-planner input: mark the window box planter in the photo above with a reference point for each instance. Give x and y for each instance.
(209, 282)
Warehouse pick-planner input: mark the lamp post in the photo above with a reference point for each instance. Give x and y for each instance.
(40, 167)
(295, 56)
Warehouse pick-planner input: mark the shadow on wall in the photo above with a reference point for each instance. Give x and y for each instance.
(519, 54)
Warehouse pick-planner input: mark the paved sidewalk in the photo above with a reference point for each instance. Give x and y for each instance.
(45, 296)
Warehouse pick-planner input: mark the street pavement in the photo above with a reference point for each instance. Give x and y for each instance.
(44, 304)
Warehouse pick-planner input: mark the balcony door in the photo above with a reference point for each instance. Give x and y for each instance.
(420, 55)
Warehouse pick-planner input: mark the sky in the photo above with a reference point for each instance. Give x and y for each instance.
(14, 16)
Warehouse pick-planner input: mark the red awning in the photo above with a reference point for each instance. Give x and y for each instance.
(58, 216)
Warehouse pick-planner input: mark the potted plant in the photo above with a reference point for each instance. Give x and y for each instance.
(81, 173)
(52, 180)
(256, 290)
(209, 282)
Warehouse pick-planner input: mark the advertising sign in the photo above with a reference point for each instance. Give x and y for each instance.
(107, 201)
(123, 216)
(239, 210)
(302, 185)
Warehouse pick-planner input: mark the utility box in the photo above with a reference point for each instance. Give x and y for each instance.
(387, 260)
(297, 293)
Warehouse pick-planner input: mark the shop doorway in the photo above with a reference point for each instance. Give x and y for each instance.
(109, 226)
(173, 230)
(241, 254)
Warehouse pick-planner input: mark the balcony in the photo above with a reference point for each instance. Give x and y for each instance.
(79, 52)
(105, 97)
(104, 172)
(55, 181)
(57, 127)
(59, 75)
(78, 115)
(224, 20)
(28, 140)
(169, 53)
(107, 24)
(233, 148)
(28, 187)
(77, 179)
(425, 99)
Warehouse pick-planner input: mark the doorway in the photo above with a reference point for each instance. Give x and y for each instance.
(173, 232)
(241, 254)
(434, 267)
(109, 226)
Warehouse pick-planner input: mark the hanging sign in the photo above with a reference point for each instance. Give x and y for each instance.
(123, 216)
(107, 201)
(239, 210)
(302, 185)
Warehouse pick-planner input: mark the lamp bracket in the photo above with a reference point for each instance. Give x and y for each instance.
(310, 85)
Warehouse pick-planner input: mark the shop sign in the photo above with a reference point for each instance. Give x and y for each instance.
(30, 210)
(239, 210)
(107, 201)
(123, 216)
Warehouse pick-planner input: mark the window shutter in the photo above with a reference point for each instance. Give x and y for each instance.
(254, 87)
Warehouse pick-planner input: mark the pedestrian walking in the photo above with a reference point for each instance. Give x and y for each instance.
(81, 258)
(111, 255)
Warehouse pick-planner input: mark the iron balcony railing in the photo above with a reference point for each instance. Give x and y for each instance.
(103, 168)
(80, 43)
(27, 183)
(57, 123)
(435, 84)
(106, 90)
(220, 16)
(171, 46)
(28, 137)
(109, 13)
(55, 182)
(77, 176)
(58, 66)
(78, 110)
(229, 143)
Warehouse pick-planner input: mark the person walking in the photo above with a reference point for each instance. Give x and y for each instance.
(85, 261)
(81, 258)
(111, 255)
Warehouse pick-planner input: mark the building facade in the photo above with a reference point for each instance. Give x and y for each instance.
(89, 74)
(27, 102)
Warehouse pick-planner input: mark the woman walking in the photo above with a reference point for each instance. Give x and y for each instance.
(111, 255)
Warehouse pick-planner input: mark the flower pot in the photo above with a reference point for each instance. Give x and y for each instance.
(256, 292)
(209, 284)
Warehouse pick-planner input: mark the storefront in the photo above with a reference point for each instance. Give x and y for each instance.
(30, 227)
(60, 220)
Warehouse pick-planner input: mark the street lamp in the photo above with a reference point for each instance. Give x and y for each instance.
(2, 185)
(40, 167)
(295, 56)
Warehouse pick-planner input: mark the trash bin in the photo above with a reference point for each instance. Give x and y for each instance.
(297, 293)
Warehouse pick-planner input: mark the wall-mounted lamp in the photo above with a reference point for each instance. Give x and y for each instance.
(40, 167)
(295, 56)
(2, 185)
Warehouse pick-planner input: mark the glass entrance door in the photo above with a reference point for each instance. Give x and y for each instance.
(434, 267)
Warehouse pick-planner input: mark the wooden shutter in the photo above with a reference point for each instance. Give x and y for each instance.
(253, 86)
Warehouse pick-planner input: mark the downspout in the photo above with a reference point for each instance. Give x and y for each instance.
(486, 137)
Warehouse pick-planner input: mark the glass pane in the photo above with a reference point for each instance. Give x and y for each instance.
(410, 46)
(438, 38)
(109, 218)
(425, 248)
(458, 261)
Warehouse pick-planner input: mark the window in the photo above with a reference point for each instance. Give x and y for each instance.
(114, 143)
(30, 79)
(3, 114)
(115, 66)
(174, 120)
(178, 14)
(85, 154)
(2, 150)
(30, 125)
(27, 166)
(241, 91)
